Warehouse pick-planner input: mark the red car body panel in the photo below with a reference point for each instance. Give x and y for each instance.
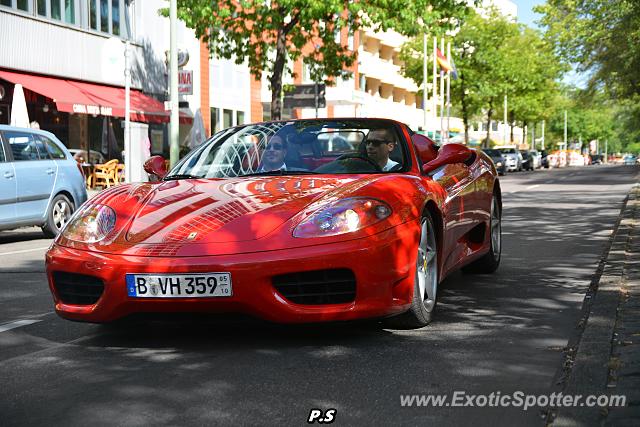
(244, 226)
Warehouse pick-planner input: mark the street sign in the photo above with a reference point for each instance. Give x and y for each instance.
(306, 96)
(185, 82)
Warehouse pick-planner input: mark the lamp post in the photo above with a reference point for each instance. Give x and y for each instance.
(565, 129)
(424, 82)
(127, 114)
(174, 151)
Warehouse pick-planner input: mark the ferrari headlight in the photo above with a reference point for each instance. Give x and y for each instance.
(344, 216)
(90, 224)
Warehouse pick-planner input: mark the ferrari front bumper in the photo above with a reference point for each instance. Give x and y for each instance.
(383, 266)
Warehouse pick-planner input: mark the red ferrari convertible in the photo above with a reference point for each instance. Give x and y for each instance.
(292, 221)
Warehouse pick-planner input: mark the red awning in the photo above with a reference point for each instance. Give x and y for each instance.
(89, 98)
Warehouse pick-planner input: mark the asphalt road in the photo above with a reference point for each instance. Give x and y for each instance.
(499, 333)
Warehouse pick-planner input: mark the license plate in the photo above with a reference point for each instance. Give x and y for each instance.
(204, 285)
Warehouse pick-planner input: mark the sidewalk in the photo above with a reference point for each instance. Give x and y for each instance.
(605, 358)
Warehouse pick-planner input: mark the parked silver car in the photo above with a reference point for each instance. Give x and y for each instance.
(40, 182)
(513, 157)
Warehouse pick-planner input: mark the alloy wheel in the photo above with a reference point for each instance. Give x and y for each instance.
(427, 265)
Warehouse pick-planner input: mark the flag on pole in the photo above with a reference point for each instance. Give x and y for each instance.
(454, 70)
(443, 61)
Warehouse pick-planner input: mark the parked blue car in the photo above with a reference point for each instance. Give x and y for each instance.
(40, 182)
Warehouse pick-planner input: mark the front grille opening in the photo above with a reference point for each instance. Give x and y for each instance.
(318, 287)
(77, 289)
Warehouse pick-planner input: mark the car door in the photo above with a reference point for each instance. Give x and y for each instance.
(7, 188)
(35, 174)
(458, 183)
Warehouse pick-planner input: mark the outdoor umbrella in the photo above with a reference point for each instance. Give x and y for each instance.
(19, 114)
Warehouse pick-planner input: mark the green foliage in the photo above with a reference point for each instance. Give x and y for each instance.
(270, 35)
(601, 36)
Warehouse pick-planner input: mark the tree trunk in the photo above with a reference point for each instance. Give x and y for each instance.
(276, 77)
(524, 132)
(512, 122)
(278, 66)
(487, 142)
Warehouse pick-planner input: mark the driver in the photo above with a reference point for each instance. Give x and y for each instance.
(380, 143)
(274, 154)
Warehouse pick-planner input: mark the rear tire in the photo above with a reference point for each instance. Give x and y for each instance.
(425, 288)
(60, 212)
(491, 260)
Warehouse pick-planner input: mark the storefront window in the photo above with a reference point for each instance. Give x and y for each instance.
(240, 118)
(23, 5)
(215, 122)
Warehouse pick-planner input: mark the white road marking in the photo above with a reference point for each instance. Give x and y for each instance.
(532, 186)
(18, 323)
(23, 251)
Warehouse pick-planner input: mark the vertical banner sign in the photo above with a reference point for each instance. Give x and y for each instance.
(185, 82)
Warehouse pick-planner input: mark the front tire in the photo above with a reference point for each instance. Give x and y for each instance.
(60, 212)
(425, 288)
(491, 260)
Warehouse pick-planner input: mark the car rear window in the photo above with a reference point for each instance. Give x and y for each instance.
(53, 149)
(23, 145)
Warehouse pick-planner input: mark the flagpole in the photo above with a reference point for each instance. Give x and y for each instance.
(434, 113)
(442, 96)
(448, 92)
(425, 76)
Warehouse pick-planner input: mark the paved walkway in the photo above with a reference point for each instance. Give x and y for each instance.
(604, 358)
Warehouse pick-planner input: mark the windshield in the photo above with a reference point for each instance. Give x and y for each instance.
(508, 150)
(491, 152)
(300, 147)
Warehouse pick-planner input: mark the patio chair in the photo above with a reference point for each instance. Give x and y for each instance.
(105, 175)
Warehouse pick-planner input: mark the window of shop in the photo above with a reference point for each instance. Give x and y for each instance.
(42, 7)
(239, 117)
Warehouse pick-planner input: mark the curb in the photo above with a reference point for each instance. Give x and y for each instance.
(589, 363)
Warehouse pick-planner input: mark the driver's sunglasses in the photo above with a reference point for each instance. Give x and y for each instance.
(275, 146)
(377, 142)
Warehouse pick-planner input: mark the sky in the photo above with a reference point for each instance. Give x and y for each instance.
(527, 16)
(525, 12)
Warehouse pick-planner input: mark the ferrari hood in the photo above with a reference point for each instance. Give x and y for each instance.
(223, 210)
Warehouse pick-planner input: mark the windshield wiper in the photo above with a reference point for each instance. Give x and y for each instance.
(180, 176)
(279, 172)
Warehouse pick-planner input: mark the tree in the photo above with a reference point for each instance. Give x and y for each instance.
(269, 34)
(532, 73)
(602, 37)
(479, 55)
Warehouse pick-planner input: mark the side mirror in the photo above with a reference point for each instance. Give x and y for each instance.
(155, 165)
(450, 154)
